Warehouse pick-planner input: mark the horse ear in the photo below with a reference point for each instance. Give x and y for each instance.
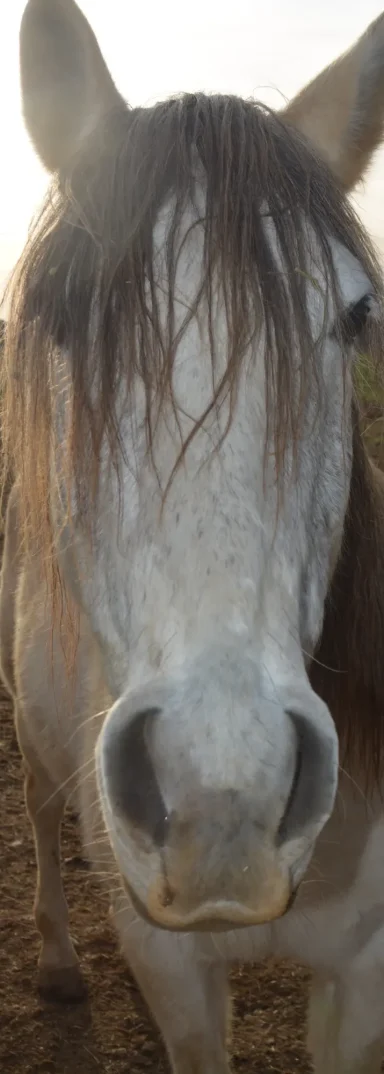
(65, 83)
(342, 111)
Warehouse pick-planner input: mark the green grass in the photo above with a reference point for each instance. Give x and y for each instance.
(369, 382)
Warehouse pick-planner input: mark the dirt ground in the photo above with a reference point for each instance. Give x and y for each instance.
(111, 1032)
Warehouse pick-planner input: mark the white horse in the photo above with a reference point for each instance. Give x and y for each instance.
(178, 420)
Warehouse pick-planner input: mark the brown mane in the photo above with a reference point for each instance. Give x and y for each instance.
(87, 279)
(348, 670)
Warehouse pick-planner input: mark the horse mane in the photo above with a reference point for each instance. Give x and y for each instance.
(87, 282)
(348, 667)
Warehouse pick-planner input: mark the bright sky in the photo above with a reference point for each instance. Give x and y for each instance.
(260, 48)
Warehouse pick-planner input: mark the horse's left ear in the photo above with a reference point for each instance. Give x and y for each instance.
(342, 111)
(65, 83)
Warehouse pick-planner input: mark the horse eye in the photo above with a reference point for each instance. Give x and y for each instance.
(354, 319)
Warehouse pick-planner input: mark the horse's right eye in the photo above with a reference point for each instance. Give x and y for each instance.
(353, 321)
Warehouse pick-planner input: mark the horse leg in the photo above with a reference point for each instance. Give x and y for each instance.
(58, 971)
(23, 655)
(186, 989)
(337, 1029)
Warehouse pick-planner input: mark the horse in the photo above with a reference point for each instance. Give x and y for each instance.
(191, 607)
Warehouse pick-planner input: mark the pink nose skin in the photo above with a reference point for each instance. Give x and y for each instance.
(216, 917)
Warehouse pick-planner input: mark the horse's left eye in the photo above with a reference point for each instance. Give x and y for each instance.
(354, 319)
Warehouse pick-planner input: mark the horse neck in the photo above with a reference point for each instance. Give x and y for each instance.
(348, 668)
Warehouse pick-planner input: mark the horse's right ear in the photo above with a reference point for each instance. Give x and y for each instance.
(342, 110)
(65, 83)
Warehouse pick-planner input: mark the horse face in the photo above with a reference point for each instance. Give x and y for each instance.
(217, 764)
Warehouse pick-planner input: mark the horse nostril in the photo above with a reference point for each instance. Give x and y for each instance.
(131, 778)
(308, 798)
(282, 831)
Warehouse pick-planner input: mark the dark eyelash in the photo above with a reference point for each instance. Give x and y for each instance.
(354, 319)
